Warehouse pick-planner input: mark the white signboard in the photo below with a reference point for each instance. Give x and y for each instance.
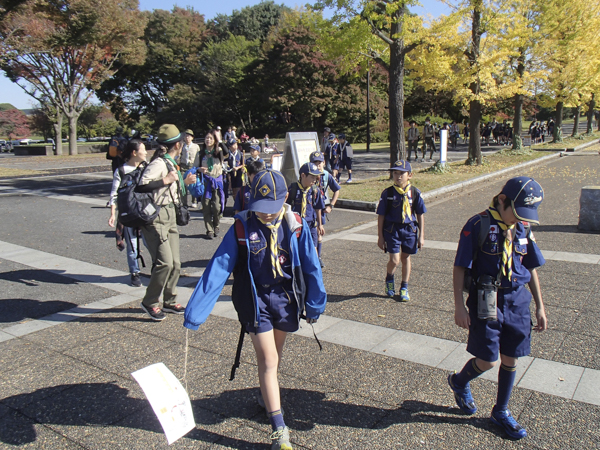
(276, 162)
(443, 146)
(168, 399)
(298, 147)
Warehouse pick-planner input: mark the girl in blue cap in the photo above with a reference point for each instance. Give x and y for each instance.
(502, 256)
(277, 280)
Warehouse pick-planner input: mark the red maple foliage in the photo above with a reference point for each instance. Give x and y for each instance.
(14, 124)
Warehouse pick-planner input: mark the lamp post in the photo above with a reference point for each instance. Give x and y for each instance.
(368, 110)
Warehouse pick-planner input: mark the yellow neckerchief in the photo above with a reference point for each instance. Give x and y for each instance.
(304, 198)
(507, 247)
(406, 212)
(275, 264)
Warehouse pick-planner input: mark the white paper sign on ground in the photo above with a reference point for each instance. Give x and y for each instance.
(168, 399)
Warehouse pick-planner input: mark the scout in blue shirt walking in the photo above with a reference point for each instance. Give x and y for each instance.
(502, 256)
(400, 225)
(242, 199)
(277, 280)
(325, 183)
(346, 158)
(305, 199)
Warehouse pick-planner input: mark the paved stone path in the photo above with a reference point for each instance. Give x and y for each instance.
(71, 333)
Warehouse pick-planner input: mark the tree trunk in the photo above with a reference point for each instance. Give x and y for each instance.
(475, 105)
(517, 143)
(558, 137)
(73, 134)
(576, 121)
(474, 133)
(396, 96)
(590, 115)
(58, 133)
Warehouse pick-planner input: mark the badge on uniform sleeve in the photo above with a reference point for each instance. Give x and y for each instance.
(523, 241)
(253, 236)
(282, 259)
(494, 229)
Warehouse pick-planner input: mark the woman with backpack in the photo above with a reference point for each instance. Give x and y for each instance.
(163, 179)
(133, 154)
(211, 165)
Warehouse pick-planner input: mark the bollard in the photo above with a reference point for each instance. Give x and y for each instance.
(589, 209)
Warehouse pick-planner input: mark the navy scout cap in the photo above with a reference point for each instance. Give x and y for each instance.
(316, 157)
(341, 136)
(401, 165)
(525, 196)
(255, 147)
(310, 169)
(267, 192)
(231, 142)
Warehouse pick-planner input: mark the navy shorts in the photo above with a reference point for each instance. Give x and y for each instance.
(315, 235)
(335, 164)
(510, 335)
(400, 237)
(277, 309)
(346, 164)
(237, 181)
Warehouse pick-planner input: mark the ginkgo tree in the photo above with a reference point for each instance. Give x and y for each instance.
(397, 32)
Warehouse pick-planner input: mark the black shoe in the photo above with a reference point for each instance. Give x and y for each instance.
(135, 280)
(216, 231)
(174, 309)
(154, 313)
(210, 235)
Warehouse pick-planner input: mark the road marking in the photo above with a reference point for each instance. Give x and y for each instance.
(550, 377)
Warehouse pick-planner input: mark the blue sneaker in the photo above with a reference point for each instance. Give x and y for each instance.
(390, 288)
(404, 297)
(508, 422)
(463, 397)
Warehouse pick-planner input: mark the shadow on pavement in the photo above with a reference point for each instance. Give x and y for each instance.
(14, 310)
(561, 229)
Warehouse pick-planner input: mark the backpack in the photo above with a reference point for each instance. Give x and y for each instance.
(135, 208)
(197, 189)
(240, 234)
(485, 225)
(115, 146)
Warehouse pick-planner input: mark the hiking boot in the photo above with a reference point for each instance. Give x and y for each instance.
(404, 297)
(463, 397)
(174, 309)
(390, 288)
(210, 235)
(135, 280)
(154, 313)
(280, 439)
(508, 422)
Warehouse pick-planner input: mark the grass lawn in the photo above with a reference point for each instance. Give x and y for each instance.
(370, 189)
(9, 172)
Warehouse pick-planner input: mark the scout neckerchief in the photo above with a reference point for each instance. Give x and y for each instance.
(406, 202)
(275, 264)
(181, 184)
(210, 162)
(304, 198)
(507, 248)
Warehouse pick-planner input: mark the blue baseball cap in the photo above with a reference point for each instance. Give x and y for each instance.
(255, 147)
(267, 192)
(310, 169)
(342, 136)
(316, 157)
(332, 137)
(401, 165)
(231, 142)
(525, 196)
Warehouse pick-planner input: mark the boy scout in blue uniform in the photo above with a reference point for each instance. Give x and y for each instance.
(277, 279)
(346, 154)
(242, 199)
(326, 182)
(254, 154)
(498, 316)
(306, 200)
(400, 215)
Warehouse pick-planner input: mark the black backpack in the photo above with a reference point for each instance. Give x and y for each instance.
(135, 208)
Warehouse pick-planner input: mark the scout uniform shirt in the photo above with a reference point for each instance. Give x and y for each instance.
(313, 202)
(394, 214)
(157, 170)
(526, 254)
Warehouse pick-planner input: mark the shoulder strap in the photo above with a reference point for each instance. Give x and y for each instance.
(292, 194)
(238, 353)
(240, 233)
(484, 229)
(389, 199)
(299, 220)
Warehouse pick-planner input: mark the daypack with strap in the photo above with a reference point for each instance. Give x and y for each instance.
(240, 235)
(114, 146)
(485, 225)
(294, 192)
(136, 209)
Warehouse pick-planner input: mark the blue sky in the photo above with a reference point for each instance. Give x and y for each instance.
(11, 93)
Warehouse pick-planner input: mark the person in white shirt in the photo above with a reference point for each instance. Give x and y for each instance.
(190, 157)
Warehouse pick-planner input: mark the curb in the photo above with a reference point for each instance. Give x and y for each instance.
(372, 206)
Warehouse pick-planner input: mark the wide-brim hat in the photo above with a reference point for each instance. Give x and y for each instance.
(267, 192)
(402, 166)
(525, 195)
(168, 134)
(190, 132)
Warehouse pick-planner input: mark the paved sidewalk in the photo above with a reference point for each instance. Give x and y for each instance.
(72, 332)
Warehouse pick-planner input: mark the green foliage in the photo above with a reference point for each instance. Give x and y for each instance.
(438, 168)
(5, 106)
